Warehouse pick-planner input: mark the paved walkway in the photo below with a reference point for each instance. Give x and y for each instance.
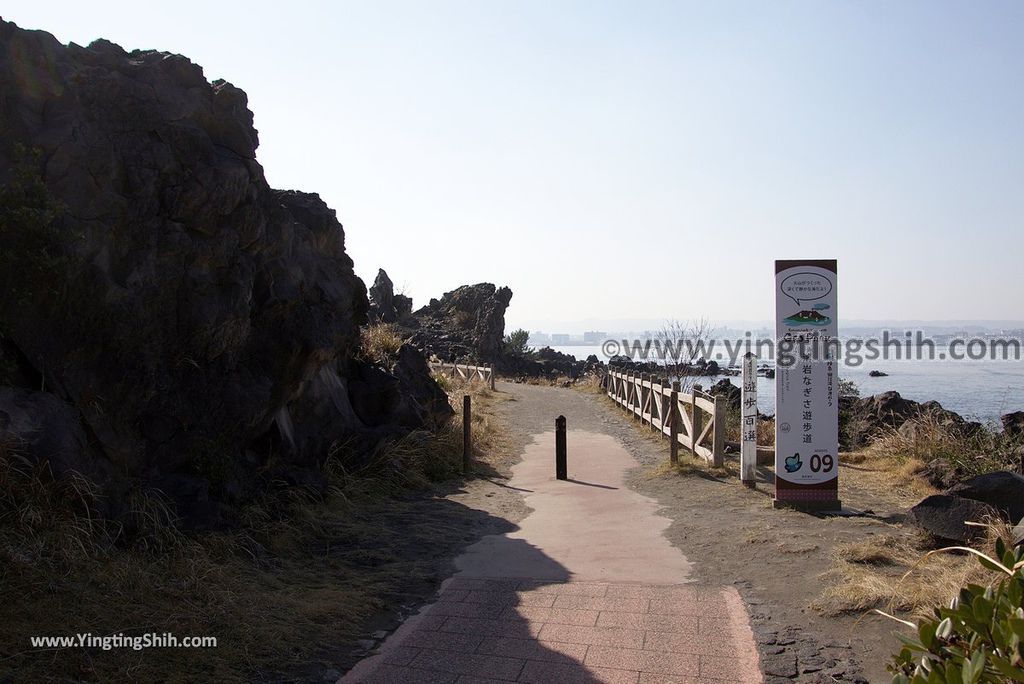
(585, 590)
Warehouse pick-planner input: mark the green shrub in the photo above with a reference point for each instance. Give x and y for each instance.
(516, 343)
(978, 637)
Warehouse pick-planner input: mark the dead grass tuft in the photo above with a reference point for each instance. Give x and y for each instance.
(893, 573)
(282, 592)
(379, 344)
(928, 437)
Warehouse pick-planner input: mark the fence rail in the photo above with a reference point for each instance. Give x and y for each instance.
(465, 371)
(693, 420)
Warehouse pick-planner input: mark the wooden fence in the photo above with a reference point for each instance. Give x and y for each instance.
(694, 420)
(465, 371)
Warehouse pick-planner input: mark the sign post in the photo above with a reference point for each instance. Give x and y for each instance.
(806, 386)
(748, 422)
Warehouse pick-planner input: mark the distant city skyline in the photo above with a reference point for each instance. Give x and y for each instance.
(578, 331)
(635, 160)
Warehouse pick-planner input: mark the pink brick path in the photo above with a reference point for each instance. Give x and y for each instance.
(580, 615)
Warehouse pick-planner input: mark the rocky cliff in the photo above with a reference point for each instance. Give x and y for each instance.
(166, 316)
(467, 323)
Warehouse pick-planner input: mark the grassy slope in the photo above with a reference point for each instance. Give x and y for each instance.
(295, 585)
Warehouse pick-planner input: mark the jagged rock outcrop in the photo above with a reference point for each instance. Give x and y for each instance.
(385, 305)
(862, 419)
(548, 363)
(467, 323)
(202, 325)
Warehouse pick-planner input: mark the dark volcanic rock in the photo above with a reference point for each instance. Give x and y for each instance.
(732, 394)
(944, 517)
(863, 419)
(940, 473)
(465, 324)
(1013, 424)
(196, 319)
(1002, 490)
(385, 305)
(45, 429)
(549, 363)
(422, 402)
(382, 298)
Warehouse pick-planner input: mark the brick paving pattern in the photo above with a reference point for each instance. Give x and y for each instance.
(585, 590)
(487, 630)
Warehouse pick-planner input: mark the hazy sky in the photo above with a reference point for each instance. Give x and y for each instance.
(633, 160)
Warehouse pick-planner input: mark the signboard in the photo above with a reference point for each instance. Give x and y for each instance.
(806, 386)
(748, 422)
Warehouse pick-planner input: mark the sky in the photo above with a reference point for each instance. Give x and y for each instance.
(633, 160)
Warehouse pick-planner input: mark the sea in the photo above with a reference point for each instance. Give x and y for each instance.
(977, 390)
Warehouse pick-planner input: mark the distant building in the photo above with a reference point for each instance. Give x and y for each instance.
(537, 337)
(560, 338)
(594, 337)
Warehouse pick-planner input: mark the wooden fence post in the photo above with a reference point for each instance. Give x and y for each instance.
(673, 422)
(662, 417)
(561, 465)
(696, 421)
(467, 445)
(492, 376)
(718, 447)
(644, 394)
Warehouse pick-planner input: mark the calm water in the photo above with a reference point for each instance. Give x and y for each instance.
(980, 390)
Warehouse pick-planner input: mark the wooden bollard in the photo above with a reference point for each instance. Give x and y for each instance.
(467, 445)
(561, 461)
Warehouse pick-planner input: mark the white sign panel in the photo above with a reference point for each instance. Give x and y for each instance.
(806, 385)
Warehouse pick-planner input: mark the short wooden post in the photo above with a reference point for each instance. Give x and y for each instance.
(696, 420)
(492, 377)
(718, 447)
(561, 464)
(673, 423)
(467, 444)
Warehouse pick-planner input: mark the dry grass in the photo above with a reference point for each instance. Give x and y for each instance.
(379, 344)
(690, 465)
(926, 437)
(892, 573)
(281, 593)
(591, 383)
(765, 429)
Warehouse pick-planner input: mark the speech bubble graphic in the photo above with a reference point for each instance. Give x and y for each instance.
(806, 286)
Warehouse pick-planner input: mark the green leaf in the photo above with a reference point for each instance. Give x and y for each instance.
(944, 629)
(927, 633)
